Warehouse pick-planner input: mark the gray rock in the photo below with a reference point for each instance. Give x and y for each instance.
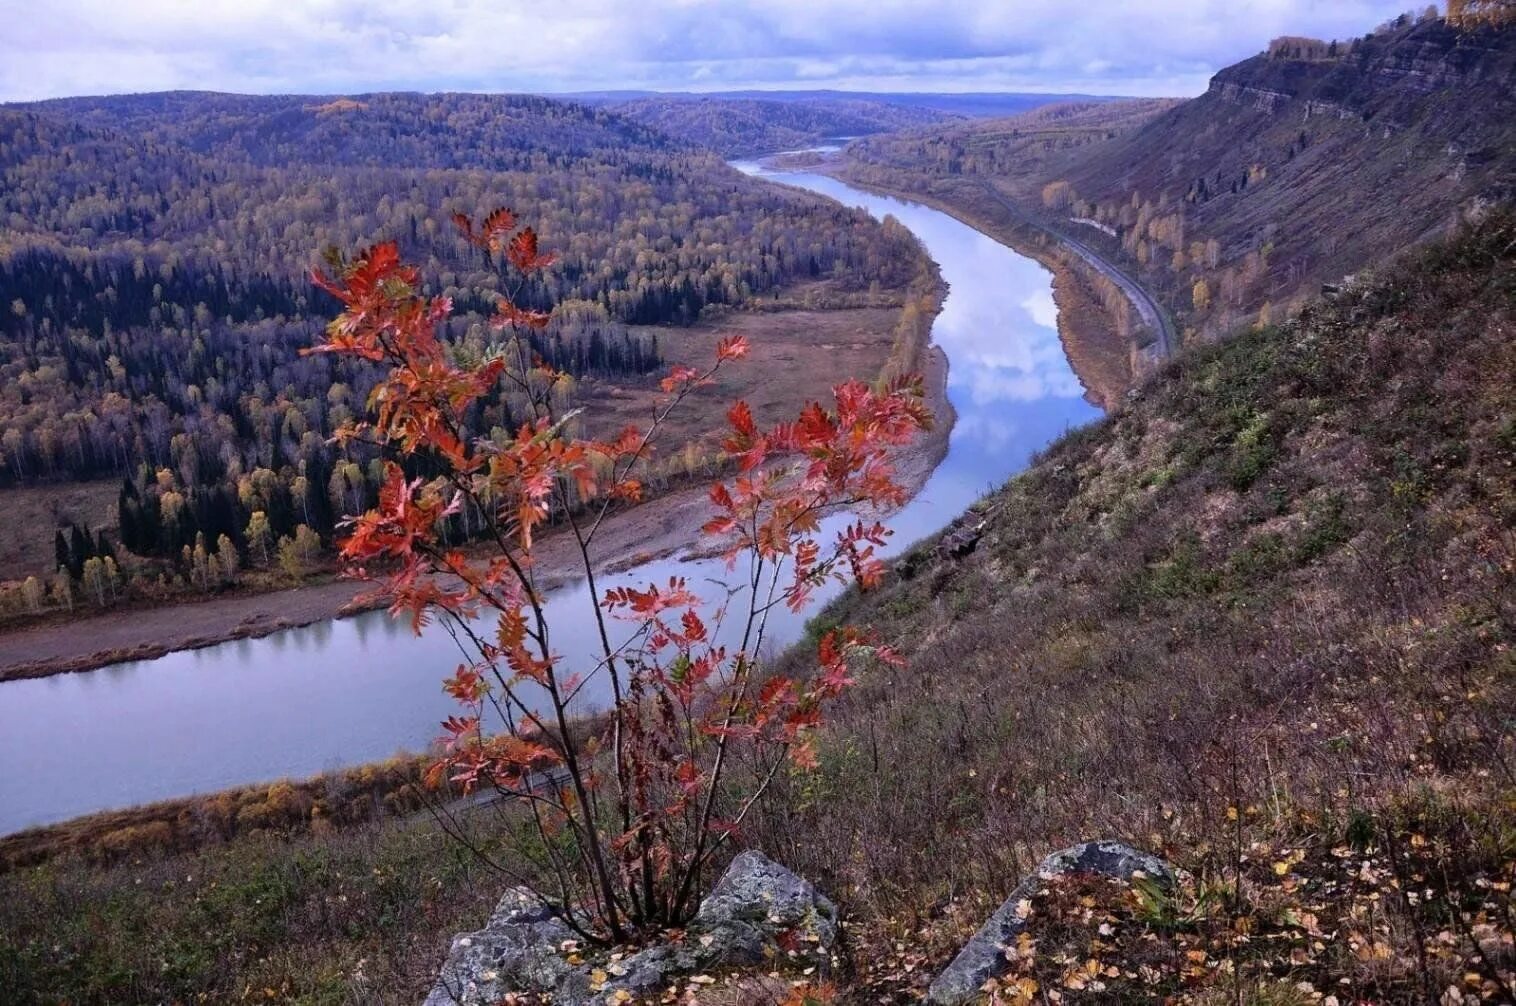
(961, 541)
(516, 951)
(756, 902)
(983, 957)
(757, 911)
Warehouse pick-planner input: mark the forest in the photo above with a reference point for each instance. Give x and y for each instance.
(155, 253)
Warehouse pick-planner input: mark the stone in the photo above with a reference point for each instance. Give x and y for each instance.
(757, 901)
(757, 911)
(516, 951)
(961, 541)
(983, 957)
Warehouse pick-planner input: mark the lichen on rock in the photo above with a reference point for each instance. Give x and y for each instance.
(983, 957)
(758, 913)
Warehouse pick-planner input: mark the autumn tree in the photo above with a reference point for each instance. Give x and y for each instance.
(33, 594)
(625, 814)
(260, 536)
(1200, 295)
(227, 560)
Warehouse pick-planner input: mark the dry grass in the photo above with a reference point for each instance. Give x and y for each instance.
(317, 805)
(796, 357)
(1279, 587)
(32, 513)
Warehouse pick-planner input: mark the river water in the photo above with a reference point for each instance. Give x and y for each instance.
(340, 693)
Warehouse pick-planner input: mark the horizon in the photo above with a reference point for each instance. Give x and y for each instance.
(605, 94)
(88, 48)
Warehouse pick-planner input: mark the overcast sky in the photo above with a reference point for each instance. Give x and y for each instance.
(50, 48)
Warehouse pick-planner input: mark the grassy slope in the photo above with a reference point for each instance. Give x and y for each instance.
(1279, 582)
(1260, 617)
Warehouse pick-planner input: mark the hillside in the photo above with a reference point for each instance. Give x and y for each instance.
(748, 123)
(1259, 621)
(1264, 614)
(495, 132)
(1295, 168)
(1032, 144)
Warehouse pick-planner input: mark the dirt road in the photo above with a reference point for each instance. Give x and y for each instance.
(1148, 309)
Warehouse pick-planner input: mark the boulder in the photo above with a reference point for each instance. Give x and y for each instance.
(983, 957)
(757, 911)
(961, 541)
(757, 902)
(518, 950)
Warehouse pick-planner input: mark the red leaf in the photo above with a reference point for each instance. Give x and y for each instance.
(523, 252)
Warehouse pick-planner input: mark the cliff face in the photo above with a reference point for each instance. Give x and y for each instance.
(1379, 78)
(1302, 165)
(1291, 172)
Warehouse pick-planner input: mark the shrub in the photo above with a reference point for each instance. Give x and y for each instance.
(627, 816)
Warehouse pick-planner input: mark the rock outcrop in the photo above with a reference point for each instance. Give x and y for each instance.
(962, 538)
(757, 912)
(983, 957)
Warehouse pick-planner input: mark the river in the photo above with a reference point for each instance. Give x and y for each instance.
(356, 690)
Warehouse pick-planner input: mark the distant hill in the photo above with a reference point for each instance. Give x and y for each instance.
(737, 123)
(1308, 162)
(979, 104)
(496, 132)
(735, 127)
(1027, 147)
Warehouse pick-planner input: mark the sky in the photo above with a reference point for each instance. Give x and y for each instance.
(1138, 47)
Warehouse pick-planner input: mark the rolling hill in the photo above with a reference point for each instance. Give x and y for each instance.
(746, 123)
(740, 126)
(155, 256)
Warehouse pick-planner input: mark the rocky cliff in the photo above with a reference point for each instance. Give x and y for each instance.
(1291, 172)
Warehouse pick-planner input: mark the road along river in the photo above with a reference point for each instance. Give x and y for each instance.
(340, 693)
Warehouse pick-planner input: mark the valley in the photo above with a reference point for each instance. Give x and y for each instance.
(190, 391)
(1076, 565)
(1291, 171)
(1002, 393)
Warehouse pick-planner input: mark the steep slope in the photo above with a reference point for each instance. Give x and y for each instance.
(1304, 165)
(1263, 614)
(1295, 168)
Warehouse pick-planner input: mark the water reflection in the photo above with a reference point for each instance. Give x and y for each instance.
(316, 698)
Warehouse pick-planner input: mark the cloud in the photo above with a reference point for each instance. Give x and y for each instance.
(331, 46)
